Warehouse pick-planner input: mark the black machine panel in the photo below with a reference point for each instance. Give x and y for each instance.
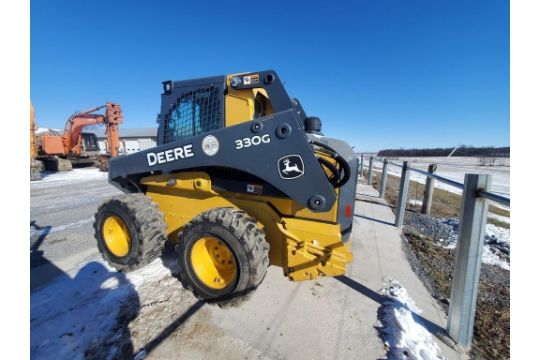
(274, 148)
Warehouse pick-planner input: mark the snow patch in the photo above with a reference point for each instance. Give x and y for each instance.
(504, 219)
(75, 175)
(152, 272)
(445, 232)
(42, 131)
(404, 335)
(497, 249)
(75, 311)
(415, 202)
(496, 244)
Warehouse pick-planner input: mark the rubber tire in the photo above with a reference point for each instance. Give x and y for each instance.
(146, 228)
(240, 232)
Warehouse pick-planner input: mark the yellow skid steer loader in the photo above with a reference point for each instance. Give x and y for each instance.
(240, 179)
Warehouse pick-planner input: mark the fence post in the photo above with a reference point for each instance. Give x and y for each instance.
(428, 191)
(361, 165)
(382, 190)
(403, 191)
(468, 259)
(370, 172)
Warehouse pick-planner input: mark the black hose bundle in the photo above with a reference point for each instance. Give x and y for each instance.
(337, 179)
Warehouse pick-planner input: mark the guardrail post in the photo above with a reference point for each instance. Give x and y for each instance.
(370, 172)
(468, 259)
(361, 165)
(403, 191)
(382, 190)
(428, 191)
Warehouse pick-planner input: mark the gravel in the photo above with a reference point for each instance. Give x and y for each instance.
(444, 232)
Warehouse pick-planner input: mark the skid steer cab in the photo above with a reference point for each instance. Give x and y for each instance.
(241, 179)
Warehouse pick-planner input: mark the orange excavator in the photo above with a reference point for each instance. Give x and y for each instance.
(60, 152)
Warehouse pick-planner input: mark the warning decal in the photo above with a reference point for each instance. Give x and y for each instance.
(251, 79)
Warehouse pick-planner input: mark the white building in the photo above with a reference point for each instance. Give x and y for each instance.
(131, 139)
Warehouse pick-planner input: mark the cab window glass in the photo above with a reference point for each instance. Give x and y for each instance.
(196, 112)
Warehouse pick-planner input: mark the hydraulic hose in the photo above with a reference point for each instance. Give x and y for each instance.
(333, 169)
(341, 161)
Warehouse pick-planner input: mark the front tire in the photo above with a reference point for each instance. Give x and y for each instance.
(130, 231)
(222, 255)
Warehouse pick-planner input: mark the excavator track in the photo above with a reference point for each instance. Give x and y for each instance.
(36, 168)
(102, 163)
(57, 164)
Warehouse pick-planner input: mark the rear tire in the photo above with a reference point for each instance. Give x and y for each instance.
(236, 232)
(130, 231)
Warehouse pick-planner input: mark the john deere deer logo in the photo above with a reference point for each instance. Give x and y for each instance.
(291, 167)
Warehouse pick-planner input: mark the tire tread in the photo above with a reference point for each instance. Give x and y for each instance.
(245, 228)
(149, 223)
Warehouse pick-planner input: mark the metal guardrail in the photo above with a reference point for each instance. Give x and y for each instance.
(433, 176)
(495, 197)
(502, 200)
(468, 258)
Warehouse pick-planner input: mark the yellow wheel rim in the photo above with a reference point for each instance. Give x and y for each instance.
(213, 262)
(116, 236)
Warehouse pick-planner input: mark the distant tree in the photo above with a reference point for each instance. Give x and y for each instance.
(487, 151)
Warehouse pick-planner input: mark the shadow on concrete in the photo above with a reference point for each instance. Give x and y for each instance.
(152, 344)
(169, 260)
(42, 270)
(378, 201)
(74, 310)
(430, 326)
(37, 236)
(86, 316)
(367, 195)
(44, 174)
(372, 219)
(355, 285)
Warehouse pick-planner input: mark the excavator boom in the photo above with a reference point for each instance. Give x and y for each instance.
(72, 138)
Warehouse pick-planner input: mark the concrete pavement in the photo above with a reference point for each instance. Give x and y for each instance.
(332, 318)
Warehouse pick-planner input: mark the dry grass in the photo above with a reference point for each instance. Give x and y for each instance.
(499, 223)
(492, 321)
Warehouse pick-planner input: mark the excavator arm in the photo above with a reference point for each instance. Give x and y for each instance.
(72, 138)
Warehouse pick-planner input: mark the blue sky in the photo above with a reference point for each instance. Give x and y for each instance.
(380, 74)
